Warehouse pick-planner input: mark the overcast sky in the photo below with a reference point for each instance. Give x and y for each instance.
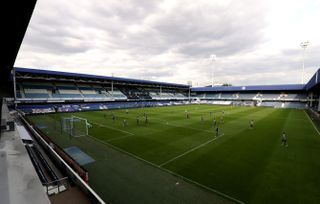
(256, 42)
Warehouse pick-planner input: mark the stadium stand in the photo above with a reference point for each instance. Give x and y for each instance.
(66, 91)
(40, 91)
(100, 92)
(87, 91)
(248, 96)
(116, 93)
(41, 87)
(49, 108)
(58, 86)
(35, 90)
(278, 96)
(229, 96)
(153, 93)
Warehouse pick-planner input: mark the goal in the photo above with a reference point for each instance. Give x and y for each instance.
(75, 126)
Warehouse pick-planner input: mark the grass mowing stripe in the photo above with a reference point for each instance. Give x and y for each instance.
(228, 164)
(118, 138)
(190, 150)
(167, 123)
(171, 172)
(124, 115)
(113, 128)
(247, 164)
(312, 122)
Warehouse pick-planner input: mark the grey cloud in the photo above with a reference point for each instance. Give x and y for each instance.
(55, 32)
(193, 32)
(223, 31)
(130, 37)
(203, 26)
(147, 73)
(281, 68)
(57, 44)
(126, 10)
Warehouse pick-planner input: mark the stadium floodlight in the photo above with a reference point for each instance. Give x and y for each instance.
(304, 46)
(213, 58)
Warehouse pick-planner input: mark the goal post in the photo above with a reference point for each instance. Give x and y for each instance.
(75, 126)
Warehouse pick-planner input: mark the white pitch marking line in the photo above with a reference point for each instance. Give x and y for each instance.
(180, 126)
(190, 150)
(167, 170)
(312, 123)
(113, 128)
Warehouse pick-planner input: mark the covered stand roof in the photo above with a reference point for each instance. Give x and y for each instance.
(97, 77)
(285, 87)
(314, 82)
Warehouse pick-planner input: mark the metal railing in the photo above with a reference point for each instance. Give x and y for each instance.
(72, 175)
(57, 184)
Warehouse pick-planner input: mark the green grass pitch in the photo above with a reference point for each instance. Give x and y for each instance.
(175, 156)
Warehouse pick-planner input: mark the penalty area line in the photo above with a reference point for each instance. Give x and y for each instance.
(190, 150)
(113, 128)
(180, 126)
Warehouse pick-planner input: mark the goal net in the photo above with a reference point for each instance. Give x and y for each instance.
(75, 126)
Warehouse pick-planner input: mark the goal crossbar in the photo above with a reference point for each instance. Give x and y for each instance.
(75, 126)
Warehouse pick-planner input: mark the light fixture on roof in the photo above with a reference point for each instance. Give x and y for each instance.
(304, 46)
(213, 58)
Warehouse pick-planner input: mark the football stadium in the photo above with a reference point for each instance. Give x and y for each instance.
(83, 138)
